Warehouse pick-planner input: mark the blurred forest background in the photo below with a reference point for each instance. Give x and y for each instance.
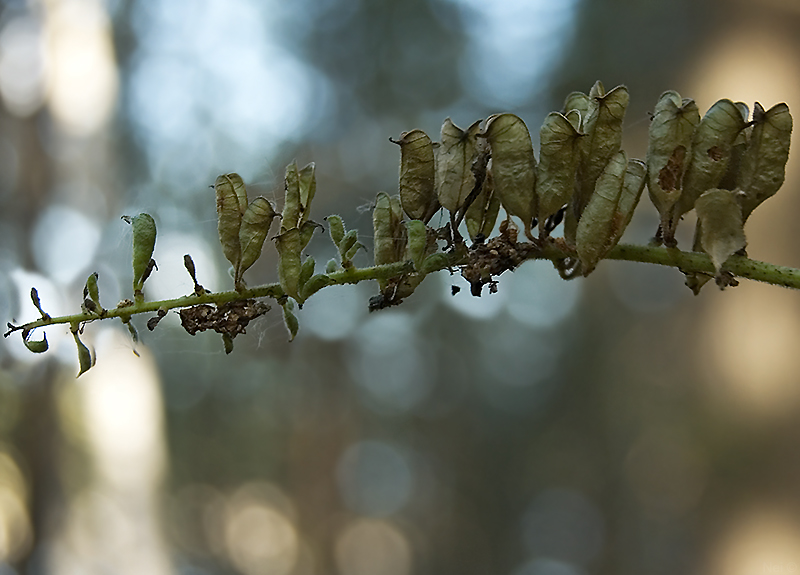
(612, 425)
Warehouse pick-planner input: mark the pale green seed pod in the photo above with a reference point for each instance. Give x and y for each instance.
(609, 210)
(669, 145)
(35, 346)
(482, 213)
(290, 218)
(417, 175)
(144, 241)
(289, 248)
(558, 163)
(712, 143)
(416, 248)
(603, 138)
(290, 320)
(454, 177)
(306, 271)
(336, 229)
(256, 222)
(307, 182)
(434, 262)
(722, 226)
(513, 166)
(388, 232)
(313, 285)
(763, 167)
(229, 219)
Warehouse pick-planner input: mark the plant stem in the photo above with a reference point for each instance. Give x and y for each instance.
(739, 266)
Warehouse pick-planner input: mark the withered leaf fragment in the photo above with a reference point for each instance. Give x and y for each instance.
(454, 177)
(417, 175)
(558, 162)
(669, 145)
(712, 143)
(763, 166)
(609, 210)
(721, 225)
(513, 166)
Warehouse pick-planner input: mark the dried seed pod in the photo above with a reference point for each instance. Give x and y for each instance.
(603, 138)
(454, 177)
(558, 162)
(229, 218)
(513, 166)
(417, 175)
(336, 229)
(307, 182)
(722, 225)
(144, 241)
(306, 271)
(610, 209)
(239, 189)
(763, 166)
(669, 144)
(388, 232)
(256, 222)
(35, 346)
(581, 103)
(290, 320)
(289, 248)
(482, 213)
(290, 218)
(712, 143)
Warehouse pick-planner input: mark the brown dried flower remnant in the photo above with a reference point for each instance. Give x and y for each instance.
(228, 319)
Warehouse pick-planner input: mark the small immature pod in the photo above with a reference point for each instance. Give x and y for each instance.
(144, 241)
(721, 225)
(348, 241)
(558, 162)
(288, 246)
(40, 346)
(306, 271)
(229, 219)
(336, 229)
(417, 175)
(610, 209)
(290, 320)
(91, 290)
(331, 266)
(291, 206)
(712, 143)
(603, 129)
(763, 166)
(313, 285)
(513, 166)
(351, 253)
(307, 182)
(670, 140)
(416, 248)
(85, 359)
(454, 177)
(256, 222)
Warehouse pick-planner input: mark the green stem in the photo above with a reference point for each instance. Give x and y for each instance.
(739, 266)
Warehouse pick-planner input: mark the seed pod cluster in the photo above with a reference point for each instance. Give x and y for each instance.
(242, 226)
